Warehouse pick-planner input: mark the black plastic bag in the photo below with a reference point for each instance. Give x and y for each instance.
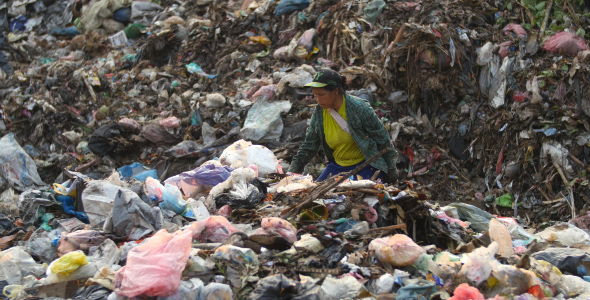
(243, 195)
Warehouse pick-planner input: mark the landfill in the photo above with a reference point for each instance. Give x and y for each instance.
(145, 148)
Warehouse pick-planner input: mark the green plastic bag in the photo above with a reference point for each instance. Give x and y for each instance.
(505, 200)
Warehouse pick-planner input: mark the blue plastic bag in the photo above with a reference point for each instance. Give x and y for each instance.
(137, 171)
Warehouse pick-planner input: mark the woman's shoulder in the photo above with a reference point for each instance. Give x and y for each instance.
(357, 102)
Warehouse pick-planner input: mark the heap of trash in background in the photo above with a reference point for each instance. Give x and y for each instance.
(143, 148)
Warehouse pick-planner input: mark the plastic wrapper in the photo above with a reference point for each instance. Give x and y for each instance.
(214, 229)
(154, 268)
(68, 263)
(129, 124)
(204, 177)
(565, 43)
(137, 171)
(274, 225)
(397, 250)
(236, 255)
(17, 167)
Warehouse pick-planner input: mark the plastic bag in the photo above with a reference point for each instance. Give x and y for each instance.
(478, 264)
(131, 217)
(265, 93)
(309, 243)
(215, 229)
(346, 287)
(170, 122)
(169, 194)
(478, 218)
(263, 122)
(274, 225)
(517, 29)
(16, 263)
(154, 268)
(243, 195)
(137, 171)
(204, 177)
(216, 291)
(41, 244)
(79, 240)
(466, 292)
(373, 10)
(156, 133)
(288, 6)
(188, 290)
(17, 167)
(144, 12)
(100, 141)
(128, 124)
(565, 43)
(306, 39)
(243, 154)
(68, 263)
(397, 250)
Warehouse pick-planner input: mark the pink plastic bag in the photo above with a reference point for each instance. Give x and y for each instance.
(279, 226)
(504, 49)
(170, 122)
(565, 43)
(154, 268)
(266, 92)
(516, 28)
(466, 292)
(215, 229)
(306, 39)
(129, 124)
(397, 250)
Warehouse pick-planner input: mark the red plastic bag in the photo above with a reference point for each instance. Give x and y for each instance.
(215, 229)
(466, 292)
(154, 268)
(565, 43)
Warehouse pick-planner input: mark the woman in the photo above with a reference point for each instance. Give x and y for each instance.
(347, 129)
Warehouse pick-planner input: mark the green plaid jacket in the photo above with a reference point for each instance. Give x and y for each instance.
(366, 130)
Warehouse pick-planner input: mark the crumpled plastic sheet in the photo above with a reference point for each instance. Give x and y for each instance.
(131, 217)
(280, 287)
(79, 240)
(154, 268)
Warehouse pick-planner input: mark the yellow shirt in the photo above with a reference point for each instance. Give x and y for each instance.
(346, 152)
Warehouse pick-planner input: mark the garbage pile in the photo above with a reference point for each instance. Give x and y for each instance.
(145, 143)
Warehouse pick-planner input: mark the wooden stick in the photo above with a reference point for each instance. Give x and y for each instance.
(546, 19)
(576, 160)
(329, 184)
(392, 227)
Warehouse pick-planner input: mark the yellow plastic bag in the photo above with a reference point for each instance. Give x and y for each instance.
(69, 263)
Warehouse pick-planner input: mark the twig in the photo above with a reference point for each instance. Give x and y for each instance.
(576, 160)
(546, 19)
(570, 191)
(329, 184)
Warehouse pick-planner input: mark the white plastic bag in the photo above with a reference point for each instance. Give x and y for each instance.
(243, 154)
(17, 167)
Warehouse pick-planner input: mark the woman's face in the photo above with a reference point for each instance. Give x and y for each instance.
(325, 98)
